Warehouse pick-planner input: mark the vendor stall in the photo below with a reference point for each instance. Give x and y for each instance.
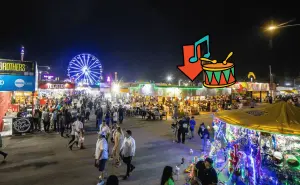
(17, 86)
(189, 99)
(55, 90)
(262, 144)
(257, 91)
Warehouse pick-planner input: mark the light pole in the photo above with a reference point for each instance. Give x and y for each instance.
(271, 29)
(274, 27)
(179, 82)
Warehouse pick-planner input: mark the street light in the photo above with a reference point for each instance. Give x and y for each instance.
(169, 78)
(283, 25)
(271, 28)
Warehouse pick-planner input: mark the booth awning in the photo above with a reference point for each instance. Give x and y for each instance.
(281, 117)
(290, 91)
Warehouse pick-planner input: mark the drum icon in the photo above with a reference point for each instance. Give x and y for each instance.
(219, 75)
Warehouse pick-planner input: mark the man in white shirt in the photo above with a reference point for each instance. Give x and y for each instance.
(101, 154)
(76, 134)
(105, 129)
(79, 132)
(127, 152)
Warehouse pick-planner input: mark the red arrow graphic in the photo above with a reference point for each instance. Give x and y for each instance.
(191, 70)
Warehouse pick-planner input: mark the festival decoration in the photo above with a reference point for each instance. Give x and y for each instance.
(233, 159)
(85, 68)
(217, 75)
(259, 158)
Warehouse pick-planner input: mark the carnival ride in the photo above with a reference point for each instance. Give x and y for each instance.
(85, 69)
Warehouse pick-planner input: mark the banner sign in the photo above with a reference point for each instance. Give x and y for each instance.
(248, 86)
(48, 77)
(11, 67)
(17, 83)
(56, 86)
(22, 125)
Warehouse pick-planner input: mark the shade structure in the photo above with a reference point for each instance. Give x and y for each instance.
(281, 118)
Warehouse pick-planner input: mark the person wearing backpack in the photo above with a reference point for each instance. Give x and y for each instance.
(46, 120)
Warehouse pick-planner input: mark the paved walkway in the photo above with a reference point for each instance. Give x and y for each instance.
(44, 159)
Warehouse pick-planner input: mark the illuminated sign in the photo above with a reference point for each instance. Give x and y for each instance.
(17, 68)
(47, 77)
(56, 86)
(12, 67)
(17, 83)
(217, 75)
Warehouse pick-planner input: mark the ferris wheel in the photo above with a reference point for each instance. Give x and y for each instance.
(85, 68)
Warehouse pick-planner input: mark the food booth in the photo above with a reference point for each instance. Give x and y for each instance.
(258, 146)
(17, 86)
(252, 90)
(50, 91)
(189, 98)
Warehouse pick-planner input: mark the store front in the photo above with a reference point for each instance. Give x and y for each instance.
(17, 86)
(286, 91)
(249, 90)
(189, 99)
(49, 92)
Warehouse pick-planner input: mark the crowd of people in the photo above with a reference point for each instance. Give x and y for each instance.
(69, 117)
(123, 149)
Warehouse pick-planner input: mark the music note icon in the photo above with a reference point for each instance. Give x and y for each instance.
(195, 58)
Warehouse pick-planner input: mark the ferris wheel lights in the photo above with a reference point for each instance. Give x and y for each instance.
(85, 68)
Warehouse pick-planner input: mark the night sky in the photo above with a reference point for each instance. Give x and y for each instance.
(143, 39)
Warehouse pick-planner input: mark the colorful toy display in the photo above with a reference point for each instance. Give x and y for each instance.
(258, 157)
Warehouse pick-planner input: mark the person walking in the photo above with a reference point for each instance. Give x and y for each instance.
(36, 120)
(46, 120)
(79, 132)
(128, 151)
(118, 138)
(167, 176)
(55, 122)
(62, 122)
(99, 115)
(1, 145)
(107, 117)
(69, 121)
(192, 126)
(182, 130)
(101, 154)
(121, 114)
(72, 141)
(204, 134)
(115, 118)
(105, 129)
(87, 113)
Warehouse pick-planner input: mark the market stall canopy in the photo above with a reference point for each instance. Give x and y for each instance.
(281, 117)
(290, 91)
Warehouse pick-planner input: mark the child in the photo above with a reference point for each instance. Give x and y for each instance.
(192, 126)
